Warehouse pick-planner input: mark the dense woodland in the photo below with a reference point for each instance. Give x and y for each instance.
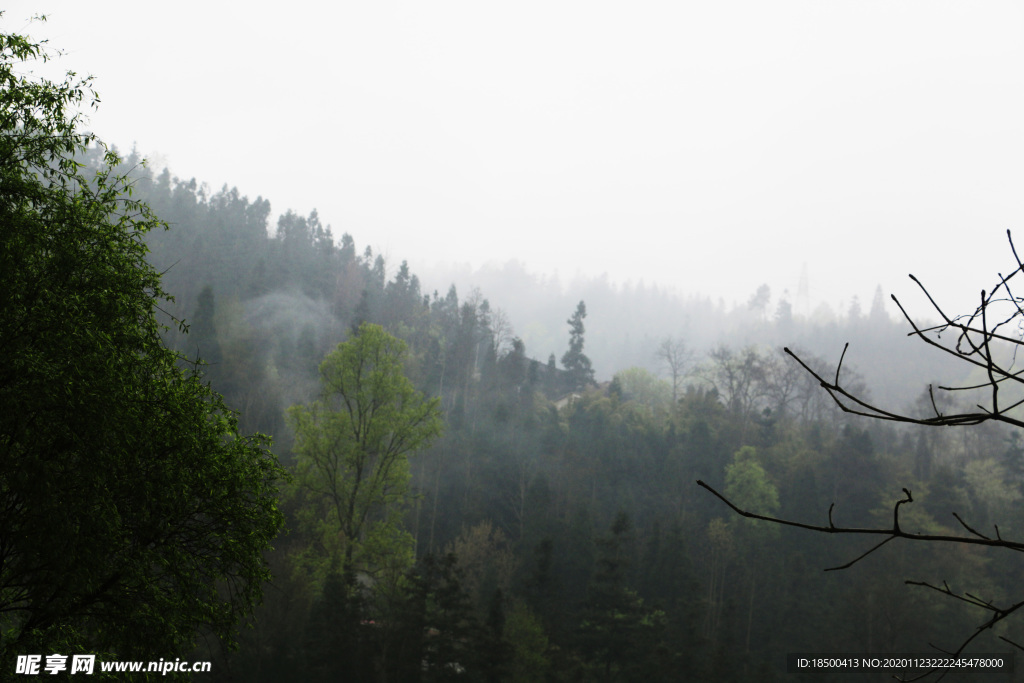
(556, 529)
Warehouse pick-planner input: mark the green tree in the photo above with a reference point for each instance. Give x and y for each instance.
(640, 386)
(450, 629)
(203, 338)
(132, 512)
(525, 634)
(747, 482)
(618, 632)
(352, 447)
(980, 339)
(576, 363)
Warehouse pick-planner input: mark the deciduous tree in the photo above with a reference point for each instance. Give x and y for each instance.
(132, 511)
(352, 447)
(672, 352)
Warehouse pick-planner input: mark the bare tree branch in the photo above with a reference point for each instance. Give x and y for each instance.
(981, 339)
(895, 531)
(998, 614)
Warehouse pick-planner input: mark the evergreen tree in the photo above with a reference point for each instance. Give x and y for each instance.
(205, 345)
(551, 378)
(618, 633)
(334, 645)
(494, 652)
(576, 363)
(450, 629)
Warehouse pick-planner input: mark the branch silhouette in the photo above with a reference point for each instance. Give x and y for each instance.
(987, 338)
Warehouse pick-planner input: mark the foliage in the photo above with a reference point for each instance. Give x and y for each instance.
(618, 632)
(640, 386)
(575, 362)
(747, 484)
(133, 511)
(548, 478)
(987, 340)
(352, 448)
(525, 635)
(517, 488)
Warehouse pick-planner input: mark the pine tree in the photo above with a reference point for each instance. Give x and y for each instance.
(576, 363)
(618, 632)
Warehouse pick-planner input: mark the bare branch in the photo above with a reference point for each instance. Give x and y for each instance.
(895, 531)
(979, 339)
(1007, 640)
(964, 524)
(861, 557)
(839, 365)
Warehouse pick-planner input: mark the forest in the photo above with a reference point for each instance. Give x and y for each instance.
(429, 498)
(552, 528)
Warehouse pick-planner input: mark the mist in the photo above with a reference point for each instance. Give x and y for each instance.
(608, 296)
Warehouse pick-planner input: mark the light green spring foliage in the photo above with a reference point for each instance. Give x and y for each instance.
(643, 388)
(352, 447)
(748, 486)
(133, 512)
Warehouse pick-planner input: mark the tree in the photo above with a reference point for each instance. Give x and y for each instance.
(878, 316)
(352, 447)
(759, 301)
(132, 511)
(986, 339)
(525, 635)
(640, 386)
(203, 334)
(672, 352)
(738, 378)
(618, 632)
(576, 363)
(747, 483)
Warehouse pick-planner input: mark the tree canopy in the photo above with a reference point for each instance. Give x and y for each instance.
(352, 448)
(576, 363)
(132, 511)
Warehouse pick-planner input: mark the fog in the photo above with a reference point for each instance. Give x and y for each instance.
(546, 258)
(706, 147)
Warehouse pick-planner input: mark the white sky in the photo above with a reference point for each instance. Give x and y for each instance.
(708, 145)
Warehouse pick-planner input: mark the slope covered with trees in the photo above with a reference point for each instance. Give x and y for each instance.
(538, 525)
(557, 537)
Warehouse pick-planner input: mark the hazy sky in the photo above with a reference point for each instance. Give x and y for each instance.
(711, 146)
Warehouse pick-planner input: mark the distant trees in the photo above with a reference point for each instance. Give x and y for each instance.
(676, 358)
(762, 385)
(132, 511)
(738, 377)
(554, 589)
(987, 339)
(551, 481)
(203, 340)
(642, 387)
(576, 363)
(759, 301)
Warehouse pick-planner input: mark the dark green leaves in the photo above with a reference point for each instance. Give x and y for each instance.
(132, 512)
